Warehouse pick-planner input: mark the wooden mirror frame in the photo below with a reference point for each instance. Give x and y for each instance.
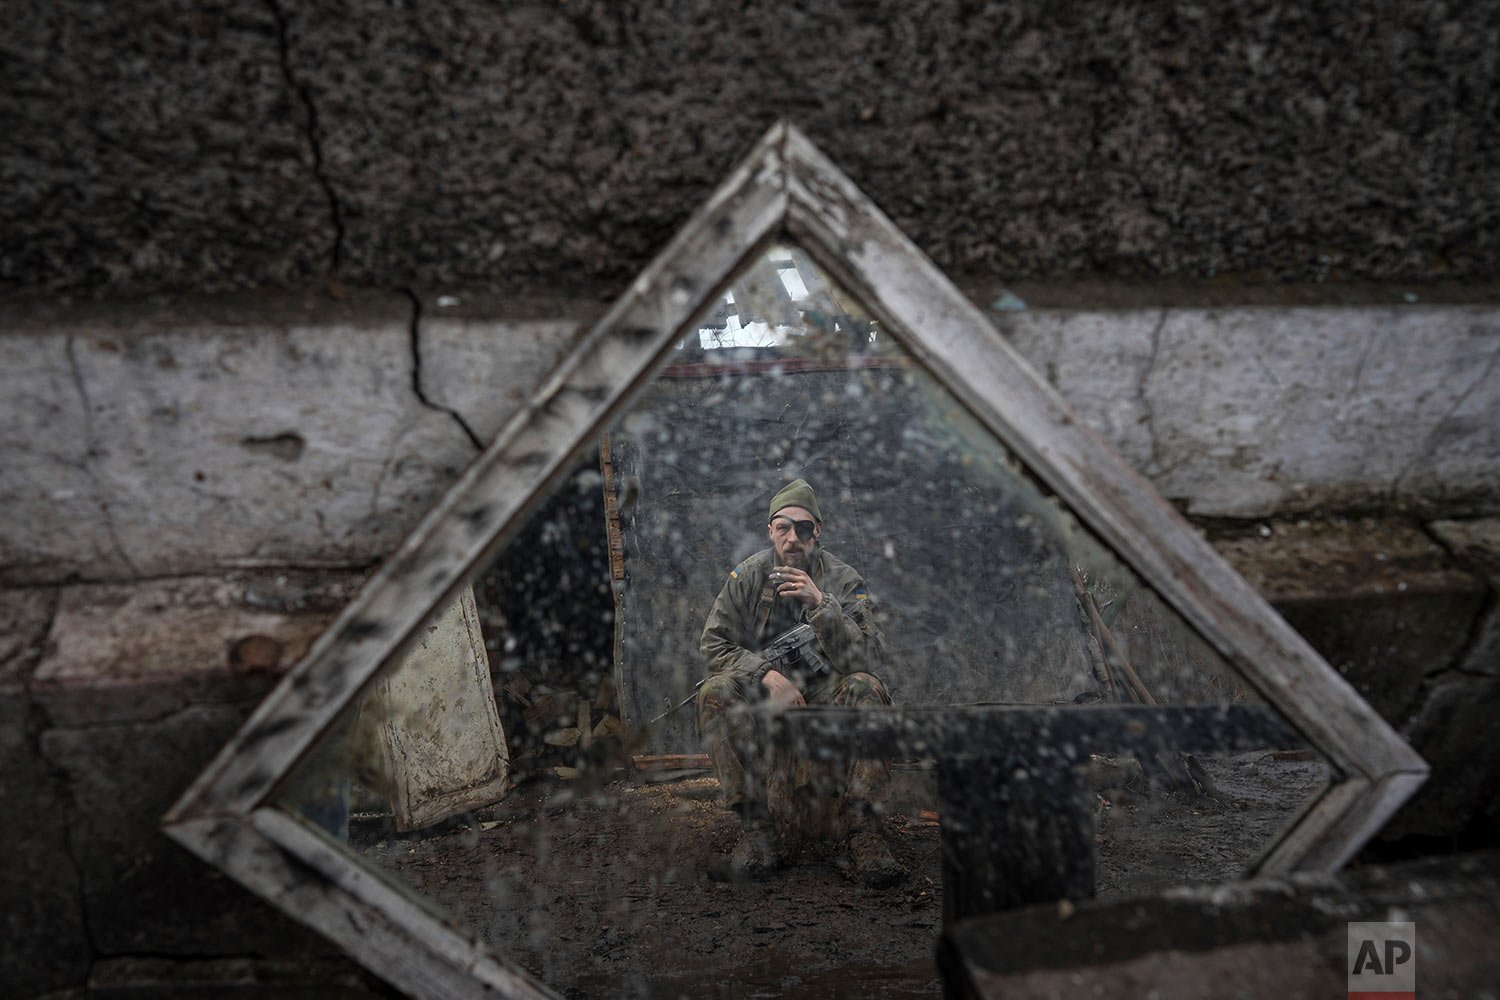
(785, 189)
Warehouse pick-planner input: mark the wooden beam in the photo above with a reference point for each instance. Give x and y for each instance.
(1073, 732)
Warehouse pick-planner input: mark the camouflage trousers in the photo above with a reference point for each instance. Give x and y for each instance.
(805, 798)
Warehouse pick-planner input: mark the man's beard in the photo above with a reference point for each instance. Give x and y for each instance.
(796, 560)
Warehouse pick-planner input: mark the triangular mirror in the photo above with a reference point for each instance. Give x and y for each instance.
(996, 568)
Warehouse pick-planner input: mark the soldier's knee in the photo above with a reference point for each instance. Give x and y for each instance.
(717, 694)
(866, 689)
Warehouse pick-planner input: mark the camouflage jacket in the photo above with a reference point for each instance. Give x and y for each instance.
(739, 626)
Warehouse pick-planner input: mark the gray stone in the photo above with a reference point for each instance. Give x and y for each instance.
(58, 514)
(197, 435)
(1256, 412)
(142, 892)
(1099, 362)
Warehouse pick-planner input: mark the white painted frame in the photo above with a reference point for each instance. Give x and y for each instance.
(785, 188)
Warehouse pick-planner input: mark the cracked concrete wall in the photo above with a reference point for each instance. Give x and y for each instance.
(168, 144)
(153, 139)
(180, 476)
(165, 439)
(112, 698)
(1259, 412)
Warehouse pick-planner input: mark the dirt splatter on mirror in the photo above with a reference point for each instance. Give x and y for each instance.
(599, 865)
(795, 619)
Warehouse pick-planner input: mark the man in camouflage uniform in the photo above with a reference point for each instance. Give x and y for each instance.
(794, 581)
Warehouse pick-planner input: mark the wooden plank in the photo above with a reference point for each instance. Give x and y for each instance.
(1073, 732)
(613, 538)
(616, 568)
(672, 762)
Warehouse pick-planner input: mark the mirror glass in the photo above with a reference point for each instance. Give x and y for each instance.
(537, 763)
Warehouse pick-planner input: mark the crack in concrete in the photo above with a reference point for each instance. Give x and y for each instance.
(1489, 608)
(1266, 369)
(385, 468)
(312, 128)
(1437, 426)
(1359, 367)
(28, 666)
(90, 440)
(416, 373)
(1158, 468)
(38, 722)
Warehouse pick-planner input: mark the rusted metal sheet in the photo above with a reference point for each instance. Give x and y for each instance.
(430, 730)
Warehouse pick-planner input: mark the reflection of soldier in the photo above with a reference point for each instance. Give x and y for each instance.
(774, 590)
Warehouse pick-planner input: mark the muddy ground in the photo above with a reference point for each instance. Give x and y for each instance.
(607, 891)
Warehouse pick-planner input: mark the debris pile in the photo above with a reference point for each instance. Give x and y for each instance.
(559, 730)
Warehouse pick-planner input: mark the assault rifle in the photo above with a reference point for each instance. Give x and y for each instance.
(795, 653)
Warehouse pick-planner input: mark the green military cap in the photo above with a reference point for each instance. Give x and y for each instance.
(796, 494)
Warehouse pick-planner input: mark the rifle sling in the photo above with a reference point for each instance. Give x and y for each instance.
(763, 610)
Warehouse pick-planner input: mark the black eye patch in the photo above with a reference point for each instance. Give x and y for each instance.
(804, 529)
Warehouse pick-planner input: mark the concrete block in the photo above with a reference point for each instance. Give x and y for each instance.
(1384, 605)
(1254, 412)
(194, 435)
(245, 437)
(120, 652)
(1294, 410)
(1282, 938)
(144, 894)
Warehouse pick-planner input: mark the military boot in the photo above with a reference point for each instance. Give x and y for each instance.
(868, 859)
(754, 854)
